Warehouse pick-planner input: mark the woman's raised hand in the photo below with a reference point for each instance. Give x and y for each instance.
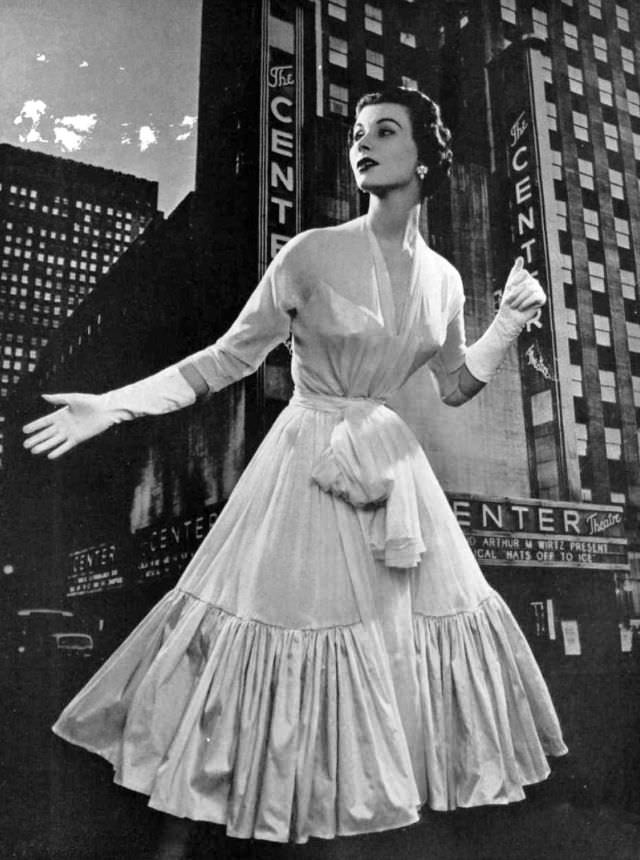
(80, 417)
(522, 297)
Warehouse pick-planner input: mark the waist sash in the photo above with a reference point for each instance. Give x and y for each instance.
(373, 461)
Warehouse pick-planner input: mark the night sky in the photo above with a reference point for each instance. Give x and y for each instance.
(108, 82)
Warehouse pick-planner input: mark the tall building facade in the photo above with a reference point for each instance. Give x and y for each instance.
(279, 83)
(62, 225)
(553, 100)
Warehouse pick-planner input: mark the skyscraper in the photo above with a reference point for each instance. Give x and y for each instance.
(62, 225)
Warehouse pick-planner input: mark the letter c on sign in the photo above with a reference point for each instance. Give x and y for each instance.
(515, 161)
(276, 111)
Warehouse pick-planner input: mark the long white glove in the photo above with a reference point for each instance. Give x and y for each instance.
(521, 300)
(82, 416)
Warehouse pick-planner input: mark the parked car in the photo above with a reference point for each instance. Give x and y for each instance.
(43, 631)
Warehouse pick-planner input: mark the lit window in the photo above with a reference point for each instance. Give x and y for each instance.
(570, 35)
(375, 64)
(508, 11)
(338, 9)
(603, 330)
(622, 17)
(576, 379)
(633, 100)
(540, 21)
(408, 39)
(600, 48)
(567, 269)
(622, 232)
(572, 324)
(636, 145)
(628, 61)
(613, 442)
(338, 52)
(373, 19)
(580, 125)
(617, 183)
(409, 83)
(610, 136)
(633, 336)
(552, 116)
(338, 99)
(547, 72)
(607, 386)
(628, 281)
(556, 161)
(576, 84)
(635, 382)
(605, 89)
(595, 8)
(596, 277)
(591, 223)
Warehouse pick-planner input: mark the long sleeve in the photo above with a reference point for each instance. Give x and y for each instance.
(446, 364)
(263, 323)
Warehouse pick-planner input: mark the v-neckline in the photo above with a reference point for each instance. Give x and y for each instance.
(394, 320)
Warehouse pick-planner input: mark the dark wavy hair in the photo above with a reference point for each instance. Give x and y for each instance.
(429, 132)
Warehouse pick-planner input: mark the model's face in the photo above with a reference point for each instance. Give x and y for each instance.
(384, 155)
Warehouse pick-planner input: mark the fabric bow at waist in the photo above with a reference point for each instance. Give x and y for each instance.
(373, 461)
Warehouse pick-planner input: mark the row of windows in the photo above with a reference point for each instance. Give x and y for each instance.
(104, 236)
(591, 218)
(372, 15)
(601, 53)
(11, 337)
(59, 202)
(339, 96)
(58, 274)
(597, 280)
(605, 91)
(508, 11)
(339, 56)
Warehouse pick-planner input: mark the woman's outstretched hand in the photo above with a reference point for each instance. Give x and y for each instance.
(80, 417)
(522, 297)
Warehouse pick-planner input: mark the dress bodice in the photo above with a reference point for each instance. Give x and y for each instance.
(330, 288)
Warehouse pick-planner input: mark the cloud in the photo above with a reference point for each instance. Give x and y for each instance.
(41, 58)
(146, 137)
(83, 65)
(71, 132)
(189, 124)
(32, 112)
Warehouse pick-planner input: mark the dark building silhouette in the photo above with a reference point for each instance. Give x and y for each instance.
(62, 225)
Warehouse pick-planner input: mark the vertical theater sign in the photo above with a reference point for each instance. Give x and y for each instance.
(280, 167)
(525, 203)
(281, 117)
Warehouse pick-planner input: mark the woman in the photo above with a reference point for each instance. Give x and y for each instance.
(332, 658)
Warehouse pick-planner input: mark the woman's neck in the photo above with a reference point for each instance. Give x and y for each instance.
(393, 219)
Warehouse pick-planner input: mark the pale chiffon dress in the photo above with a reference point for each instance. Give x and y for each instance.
(332, 658)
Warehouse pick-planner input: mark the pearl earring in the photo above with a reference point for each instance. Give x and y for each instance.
(422, 171)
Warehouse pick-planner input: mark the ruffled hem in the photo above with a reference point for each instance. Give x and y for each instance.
(283, 734)
(488, 719)
(278, 734)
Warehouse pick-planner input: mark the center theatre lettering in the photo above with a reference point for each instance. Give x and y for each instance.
(522, 175)
(527, 237)
(185, 534)
(524, 533)
(281, 215)
(534, 516)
